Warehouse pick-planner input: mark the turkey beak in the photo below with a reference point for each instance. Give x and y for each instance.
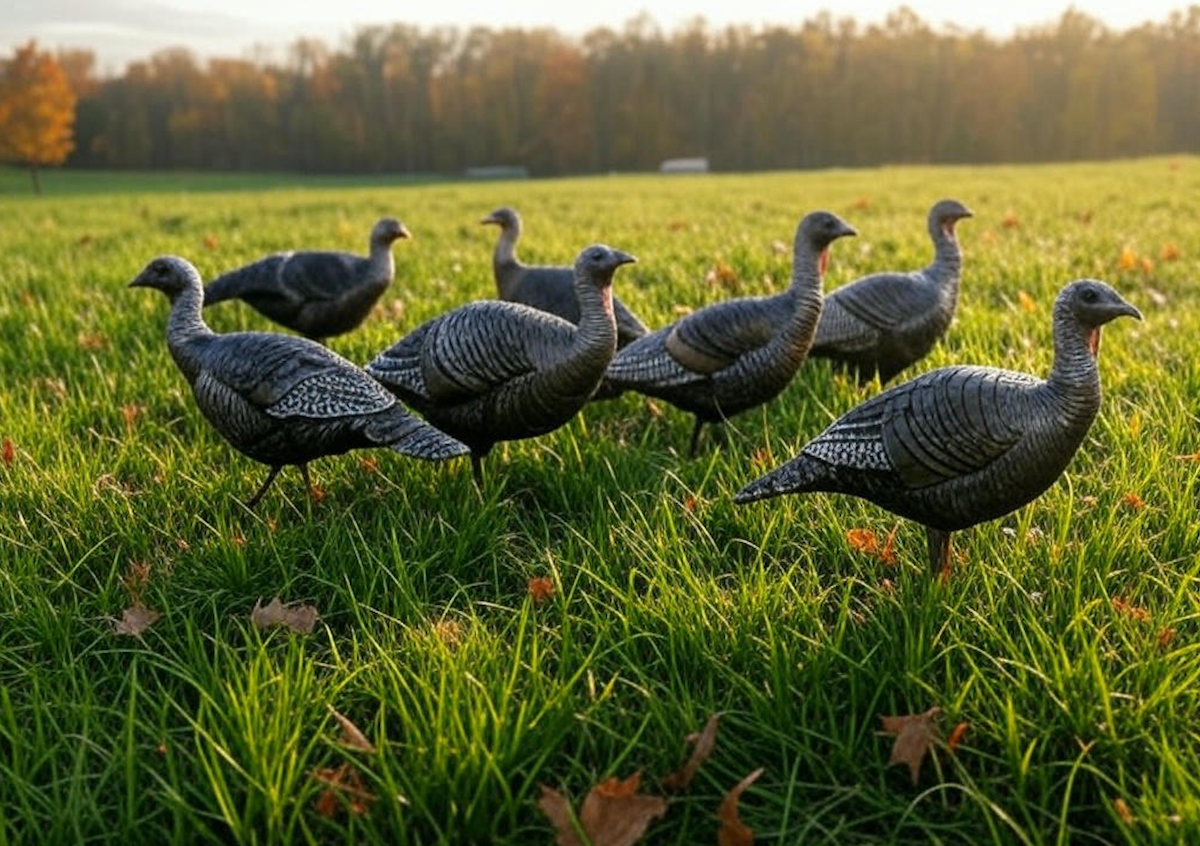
(620, 258)
(489, 219)
(847, 230)
(140, 282)
(1124, 309)
(403, 232)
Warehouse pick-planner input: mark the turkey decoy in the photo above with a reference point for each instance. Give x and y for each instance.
(493, 371)
(961, 445)
(737, 354)
(887, 321)
(549, 289)
(318, 294)
(279, 399)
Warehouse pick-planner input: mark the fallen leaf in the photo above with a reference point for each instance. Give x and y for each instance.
(861, 204)
(343, 782)
(654, 410)
(613, 813)
(779, 248)
(1089, 500)
(1156, 296)
(299, 618)
(1128, 259)
(914, 734)
(540, 589)
(1166, 636)
(733, 831)
(702, 742)
(8, 452)
(368, 464)
(55, 387)
(957, 735)
(1169, 252)
(887, 586)
(723, 274)
(135, 620)
(1026, 302)
(210, 241)
(863, 540)
(1134, 501)
(1147, 265)
(161, 749)
(1085, 217)
(689, 504)
(318, 493)
(351, 735)
(449, 632)
(237, 539)
(678, 225)
(92, 341)
(1193, 457)
(888, 554)
(1130, 610)
(131, 412)
(1010, 220)
(135, 580)
(1122, 809)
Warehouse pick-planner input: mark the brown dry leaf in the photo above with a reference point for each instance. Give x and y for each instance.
(341, 782)
(703, 742)
(1134, 501)
(135, 620)
(654, 410)
(92, 341)
(449, 631)
(1010, 220)
(1085, 217)
(135, 580)
(299, 618)
(1026, 302)
(957, 735)
(1193, 457)
(690, 504)
(613, 813)
(237, 539)
(734, 832)
(1130, 610)
(368, 464)
(863, 540)
(1169, 252)
(8, 452)
(351, 735)
(540, 589)
(914, 735)
(1147, 265)
(888, 554)
(317, 493)
(210, 241)
(55, 387)
(131, 412)
(887, 586)
(1166, 636)
(861, 204)
(1122, 809)
(678, 225)
(722, 274)
(779, 248)
(1128, 259)
(1089, 500)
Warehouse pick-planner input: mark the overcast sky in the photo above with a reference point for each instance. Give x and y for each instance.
(121, 30)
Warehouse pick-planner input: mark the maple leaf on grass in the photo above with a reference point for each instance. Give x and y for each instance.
(299, 618)
(914, 733)
(352, 736)
(135, 620)
(341, 783)
(703, 742)
(613, 813)
(8, 453)
(540, 589)
(734, 832)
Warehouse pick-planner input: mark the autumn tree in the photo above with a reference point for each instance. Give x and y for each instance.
(37, 111)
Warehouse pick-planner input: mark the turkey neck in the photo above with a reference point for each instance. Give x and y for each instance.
(1074, 381)
(186, 329)
(504, 259)
(383, 265)
(597, 332)
(803, 297)
(947, 257)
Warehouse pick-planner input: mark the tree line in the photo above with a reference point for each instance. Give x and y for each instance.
(826, 92)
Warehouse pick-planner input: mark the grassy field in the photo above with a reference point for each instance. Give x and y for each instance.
(1068, 637)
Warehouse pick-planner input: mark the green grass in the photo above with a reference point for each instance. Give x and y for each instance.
(663, 613)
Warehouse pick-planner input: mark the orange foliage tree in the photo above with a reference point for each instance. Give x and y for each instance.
(37, 111)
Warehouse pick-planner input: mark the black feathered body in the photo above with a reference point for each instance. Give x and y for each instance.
(886, 322)
(956, 446)
(318, 294)
(494, 371)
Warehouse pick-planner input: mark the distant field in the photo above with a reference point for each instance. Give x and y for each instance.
(56, 183)
(1069, 637)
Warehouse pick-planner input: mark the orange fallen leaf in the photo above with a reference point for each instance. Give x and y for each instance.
(1134, 501)
(8, 452)
(540, 589)
(1130, 610)
(92, 341)
(678, 225)
(368, 464)
(861, 204)
(341, 783)
(318, 493)
(1166, 636)
(689, 504)
(351, 735)
(1193, 457)
(1010, 220)
(449, 631)
(1085, 217)
(1128, 259)
(1169, 252)
(703, 742)
(1122, 809)
(914, 735)
(135, 620)
(863, 540)
(1147, 265)
(210, 241)
(734, 832)
(957, 735)
(131, 412)
(613, 813)
(299, 618)
(1026, 302)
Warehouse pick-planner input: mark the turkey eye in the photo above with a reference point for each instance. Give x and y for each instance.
(1089, 296)
(596, 256)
